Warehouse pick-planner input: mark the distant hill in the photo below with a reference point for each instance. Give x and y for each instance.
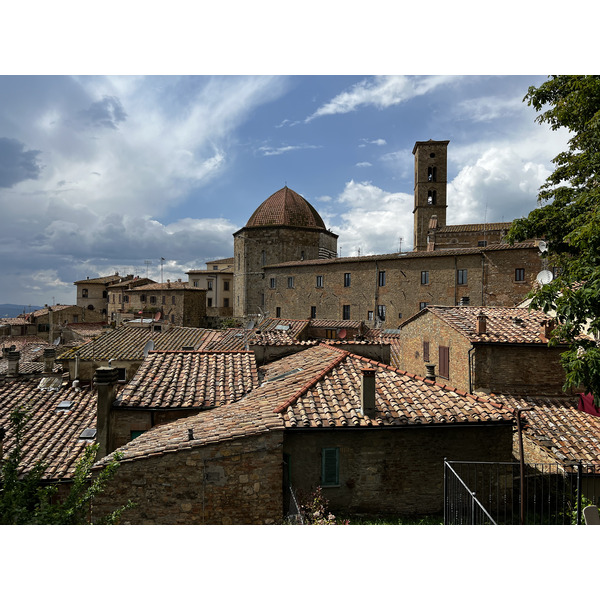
(14, 310)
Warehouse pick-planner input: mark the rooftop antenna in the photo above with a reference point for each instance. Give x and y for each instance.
(400, 240)
(147, 263)
(162, 261)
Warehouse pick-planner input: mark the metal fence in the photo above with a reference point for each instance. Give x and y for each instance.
(478, 493)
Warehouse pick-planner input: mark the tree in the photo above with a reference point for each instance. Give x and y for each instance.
(568, 218)
(26, 500)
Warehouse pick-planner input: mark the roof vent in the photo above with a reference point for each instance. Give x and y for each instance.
(88, 434)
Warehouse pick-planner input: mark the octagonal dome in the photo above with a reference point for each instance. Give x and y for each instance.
(288, 208)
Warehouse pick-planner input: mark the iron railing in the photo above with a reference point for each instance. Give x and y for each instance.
(495, 493)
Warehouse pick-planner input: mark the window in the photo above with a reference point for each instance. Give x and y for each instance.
(209, 284)
(195, 284)
(84, 293)
(369, 315)
(121, 374)
(226, 286)
(142, 297)
(346, 279)
(172, 299)
(319, 283)
(424, 277)
(444, 361)
(330, 466)
(422, 305)
(173, 319)
(431, 196)
(164, 300)
(519, 274)
(272, 283)
(301, 254)
(313, 312)
(432, 174)
(482, 243)
(461, 276)
(105, 294)
(152, 299)
(119, 298)
(381, 278)
(209, 302)
(225, 302)
(290, 282)
(215, 268)
(135, 433)
(426, 351)
(278, 311)
(331, 334)
(125, 298)
(381, 312)
(263, 258)
(346, 312)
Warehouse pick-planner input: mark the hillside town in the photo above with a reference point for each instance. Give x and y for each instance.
(237, 389)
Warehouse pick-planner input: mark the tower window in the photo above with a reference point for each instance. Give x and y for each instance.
(432, 174)
(431, 197)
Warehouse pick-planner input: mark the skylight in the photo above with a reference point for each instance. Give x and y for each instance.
(284, 375)
(88, 434)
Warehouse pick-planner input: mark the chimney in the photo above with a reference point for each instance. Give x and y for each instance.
(367, 392)
(546, 329)
(106, 379)
(430, 371)
(13, 363)
(481, 326)
(49, 356)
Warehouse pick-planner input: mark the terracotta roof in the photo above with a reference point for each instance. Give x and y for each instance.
(127, 343)
(106, 279)
(336, 324)
(170, 380)
(475, 227)
(506, 325)
(320, 388)
(134, 283)
(293, 327)
(56, 308)
(407, 255)
(286, 207)
(52, 434)
(557, 425)
(14, 321)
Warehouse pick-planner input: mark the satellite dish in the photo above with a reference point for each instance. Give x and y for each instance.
(250, 325)
(342, 334)
(148, 347)
(544, 277)
(543, 246)
(157, 316)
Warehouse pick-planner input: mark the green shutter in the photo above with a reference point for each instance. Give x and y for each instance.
(330, 466)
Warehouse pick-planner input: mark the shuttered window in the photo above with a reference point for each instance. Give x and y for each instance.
(426, 351)
(444, 368)
(330, 466)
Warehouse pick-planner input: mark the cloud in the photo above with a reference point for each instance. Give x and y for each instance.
(363, 164)
(380, 92)
(107, 112)
(373, 220)
(268, 151)
(17, 164)
(377, 142)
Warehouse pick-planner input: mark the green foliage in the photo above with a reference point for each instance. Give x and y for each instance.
(26, 500)
(568, 217)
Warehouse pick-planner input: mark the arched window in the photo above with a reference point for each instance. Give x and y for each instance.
(431, 196)
(432, 174)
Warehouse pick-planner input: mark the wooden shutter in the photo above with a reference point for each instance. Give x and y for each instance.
(330, 471)
(426, 351)
(444, 368)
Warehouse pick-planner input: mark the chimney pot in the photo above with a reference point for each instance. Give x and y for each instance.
(49, 356)
(430, 371)
(481, 326)
(14, 356)
(368, 392)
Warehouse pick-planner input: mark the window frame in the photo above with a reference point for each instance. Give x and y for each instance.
(319, 281)
(462, 276)
(381, 279)
(424, 277)
(444, 361)
(290, 282)
(345, 312)
(347, 279)
(330, 467)
(520, 275)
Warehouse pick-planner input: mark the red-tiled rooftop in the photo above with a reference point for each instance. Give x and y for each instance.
(52, 434)
(320, 388)
(175, 380)
(286, 208)
(503, 324)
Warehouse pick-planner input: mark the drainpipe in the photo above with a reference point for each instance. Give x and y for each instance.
(521, 461)
(470, 355)
(455, 280)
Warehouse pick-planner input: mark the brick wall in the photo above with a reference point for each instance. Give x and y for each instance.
(395, 472)
(235, 482)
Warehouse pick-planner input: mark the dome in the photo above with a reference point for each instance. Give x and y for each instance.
(286, 207)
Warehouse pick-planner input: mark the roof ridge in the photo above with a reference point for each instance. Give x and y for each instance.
(311, 382)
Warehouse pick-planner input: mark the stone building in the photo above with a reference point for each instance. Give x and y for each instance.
(217, 280)
(370, 436)
(118, 297)
(92, 294)
(498, 350)
(285, 263)
(285, 227)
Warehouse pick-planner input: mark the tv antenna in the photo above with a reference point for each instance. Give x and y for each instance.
(147, 263)
(162, 262)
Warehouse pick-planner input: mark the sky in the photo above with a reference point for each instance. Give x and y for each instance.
(104, 174)
(169, 139)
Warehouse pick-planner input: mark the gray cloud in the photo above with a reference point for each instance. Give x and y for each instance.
(17, 164)
(107, 112)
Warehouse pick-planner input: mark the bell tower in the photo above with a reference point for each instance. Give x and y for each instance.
(431, 174)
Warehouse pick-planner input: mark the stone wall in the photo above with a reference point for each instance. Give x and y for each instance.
(393, 471)
(231, 483)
